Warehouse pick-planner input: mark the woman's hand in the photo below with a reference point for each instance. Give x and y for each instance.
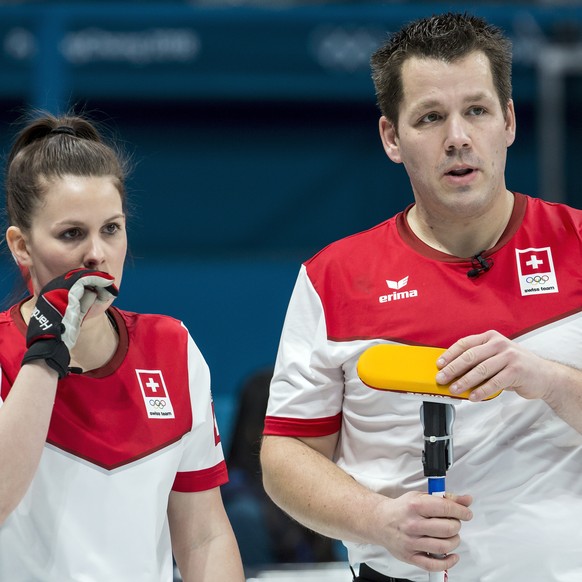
(56, 319)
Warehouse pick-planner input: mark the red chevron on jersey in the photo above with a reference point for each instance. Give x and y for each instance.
(380, 283)
(124, 430)
(110, 464)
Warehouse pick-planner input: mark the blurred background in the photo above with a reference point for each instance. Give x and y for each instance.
(252, 127)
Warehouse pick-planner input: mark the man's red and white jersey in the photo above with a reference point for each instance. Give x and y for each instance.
(518, 459)
(120, 439)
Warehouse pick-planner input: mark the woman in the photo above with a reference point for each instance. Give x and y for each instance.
(110, 460)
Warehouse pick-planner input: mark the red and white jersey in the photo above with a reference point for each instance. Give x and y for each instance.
(518, 459)
(120, 439)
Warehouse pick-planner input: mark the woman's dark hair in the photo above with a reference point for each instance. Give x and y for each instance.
(50, 147)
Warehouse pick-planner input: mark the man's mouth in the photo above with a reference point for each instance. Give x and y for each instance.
(460, 172)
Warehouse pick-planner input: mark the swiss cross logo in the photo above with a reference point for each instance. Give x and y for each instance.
(155, 394)
(534, 261)
(536, 271)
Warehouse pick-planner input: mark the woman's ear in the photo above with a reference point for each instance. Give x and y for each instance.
(18, 246)
(389, 137)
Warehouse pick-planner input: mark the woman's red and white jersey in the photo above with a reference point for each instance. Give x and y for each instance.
(518, 459)
(120, 439)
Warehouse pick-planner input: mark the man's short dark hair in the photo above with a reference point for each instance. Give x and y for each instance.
(447, 37)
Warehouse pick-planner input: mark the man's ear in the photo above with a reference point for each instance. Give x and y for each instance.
(510, 123)
(18, 245)
(390, 141)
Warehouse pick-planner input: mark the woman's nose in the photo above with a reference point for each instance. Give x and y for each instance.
(94, 254)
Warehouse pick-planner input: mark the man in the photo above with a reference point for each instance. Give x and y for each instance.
(492, 275)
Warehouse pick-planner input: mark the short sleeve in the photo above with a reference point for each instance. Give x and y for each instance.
(306, 392)
(202, 466)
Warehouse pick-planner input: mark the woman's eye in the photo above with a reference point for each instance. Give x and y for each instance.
(71, 233)
(111, 228)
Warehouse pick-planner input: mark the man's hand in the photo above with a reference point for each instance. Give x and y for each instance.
(420, 527)
(488, 363)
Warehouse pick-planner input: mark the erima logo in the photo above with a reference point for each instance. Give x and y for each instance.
(397, 284)
(397, 293)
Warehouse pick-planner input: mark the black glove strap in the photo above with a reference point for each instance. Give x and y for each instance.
(53, 351)
(369, 575)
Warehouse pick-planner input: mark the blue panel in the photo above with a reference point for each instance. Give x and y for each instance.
(148, 51)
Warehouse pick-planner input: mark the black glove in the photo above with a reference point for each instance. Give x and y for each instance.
(62, 305)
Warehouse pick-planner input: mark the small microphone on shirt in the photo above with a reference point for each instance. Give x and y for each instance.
(479, 265)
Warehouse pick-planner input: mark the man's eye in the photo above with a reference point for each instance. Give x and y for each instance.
(476, 111)
(430, 118)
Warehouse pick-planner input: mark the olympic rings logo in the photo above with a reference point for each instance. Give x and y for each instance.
(537, 279)
(157, 403)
